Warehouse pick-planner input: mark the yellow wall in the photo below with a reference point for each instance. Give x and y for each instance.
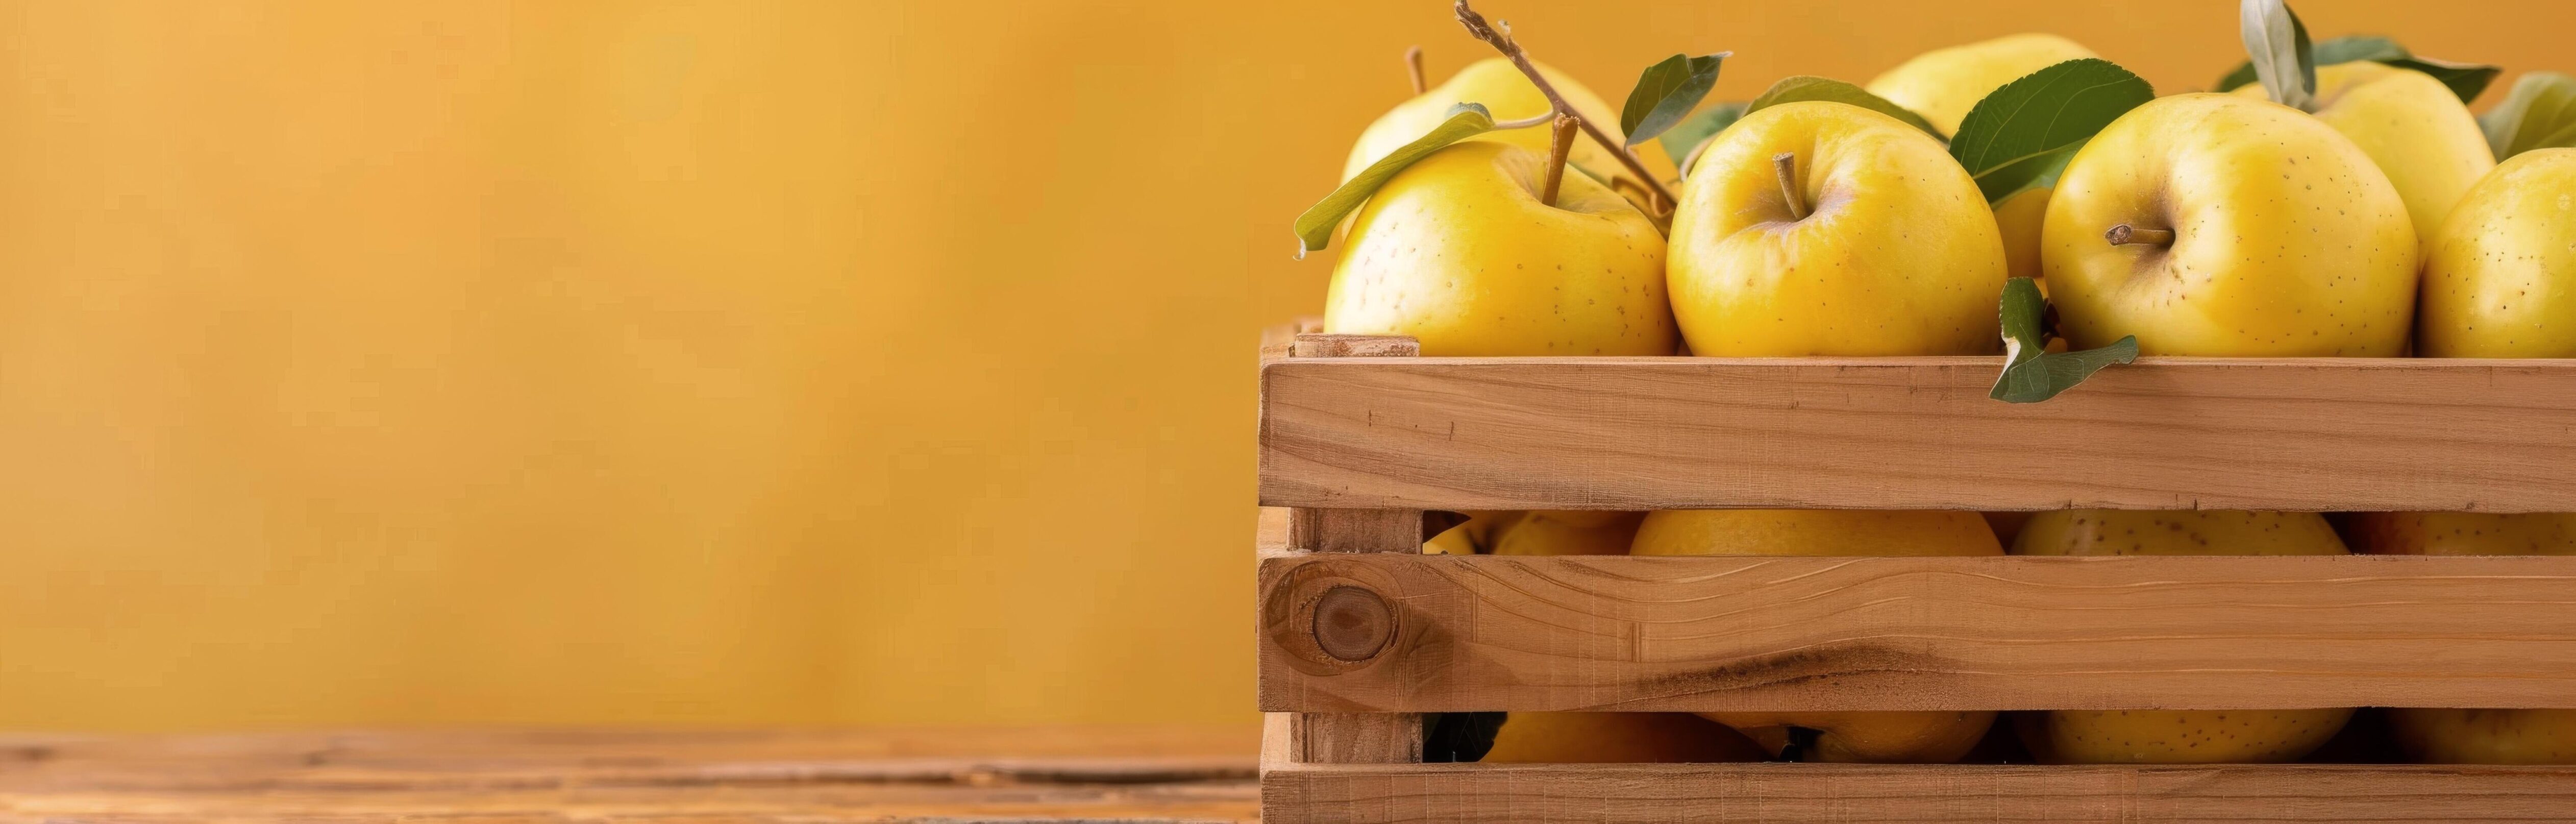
(716, 362)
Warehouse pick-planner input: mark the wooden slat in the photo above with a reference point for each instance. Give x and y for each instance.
(1843, 793)
(1350, 622)
(1917, 433)
(1470, 633)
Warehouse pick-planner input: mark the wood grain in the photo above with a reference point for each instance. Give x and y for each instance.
(544, 777)
(1481, 633)
(1846, 793)
(1320, 345)
(1917, 433)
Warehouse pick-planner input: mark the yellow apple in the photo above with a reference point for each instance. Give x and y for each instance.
(1864, 736)
(2177, 736)
(2456, 736)
(1508, 95)
(2475, 736)
(2255, 230)
(1943, 84)
(1550, 532)
(2018, 216)
(1471, 537)
(1880, 246)
(2410, 124)
(1458, 252)
(1616, 737)
(2463, 533)
(2501, 279)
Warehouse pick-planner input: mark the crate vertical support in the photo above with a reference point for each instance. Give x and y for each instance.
(1350, 738)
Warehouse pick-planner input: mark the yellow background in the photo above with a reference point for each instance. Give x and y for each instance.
(728, 363)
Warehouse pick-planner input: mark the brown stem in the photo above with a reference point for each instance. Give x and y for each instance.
(2127, 235)
(1413, 66)
(1557, 147)
(1628, 187)
(1785, 164)
(1502, 42)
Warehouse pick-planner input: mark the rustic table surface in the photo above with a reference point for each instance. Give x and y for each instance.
(480, 777)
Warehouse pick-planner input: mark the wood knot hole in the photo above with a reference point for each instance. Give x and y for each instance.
(1353, 623)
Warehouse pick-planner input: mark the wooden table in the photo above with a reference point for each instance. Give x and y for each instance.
(485, 777)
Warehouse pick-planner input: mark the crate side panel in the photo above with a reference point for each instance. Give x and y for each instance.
(1484, 633)
(1917, 433)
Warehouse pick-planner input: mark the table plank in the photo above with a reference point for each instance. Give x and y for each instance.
(1059, 773)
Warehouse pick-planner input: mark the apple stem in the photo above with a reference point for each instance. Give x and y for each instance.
(2127, 235)
(1786, 165)
(1558, 146)
(1502, 41)
(1413, 66)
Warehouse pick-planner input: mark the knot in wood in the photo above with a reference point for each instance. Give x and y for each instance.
(1352, 623)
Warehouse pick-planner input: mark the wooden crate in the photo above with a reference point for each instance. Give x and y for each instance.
(1359, 633)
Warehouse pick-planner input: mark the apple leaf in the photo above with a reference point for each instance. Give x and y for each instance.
(1686, 136)
(2026, 130)
(1665, 93)
(1803, 88)
(1315, 227)
(2277, 44)
(2467, 80)
(2031, 372)
(2540, 113)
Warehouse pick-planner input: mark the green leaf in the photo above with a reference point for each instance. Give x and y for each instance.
(1686, 136)
(2352, 47)
(2277, 43)
(2031, 372)
(2028, 129)
(1665, 93)
(1803, 88)
(1315, 227)
(2467, 80)
(2540, 113)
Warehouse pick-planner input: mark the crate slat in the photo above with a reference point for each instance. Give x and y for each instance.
(1734, 633)
(1917, 433)
(1839, 793)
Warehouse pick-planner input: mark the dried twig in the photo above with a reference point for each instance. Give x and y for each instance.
(1502, 42)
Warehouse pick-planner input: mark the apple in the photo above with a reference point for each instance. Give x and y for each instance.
(1552, 532)
(2177, 736)
(2475, 736)
(1457, 251)
(1935, 736)
(2210, 224)
(1616, 737)
(2412, 126)
(2500, 281)
(1509, 95)
(1818, 228)
(2019, 216)
(2485, 736)
(1943, 84)
(2463, 533)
